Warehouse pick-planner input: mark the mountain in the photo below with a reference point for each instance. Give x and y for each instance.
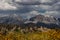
(43, 20)
(59, 19)
(38, 20)
(11, 19)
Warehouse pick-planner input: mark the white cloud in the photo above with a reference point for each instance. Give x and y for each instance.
(53, 13)
(44, 1)
(46, 7)
(4, 5)
(56, 6)
(30, 14)
(10, 5)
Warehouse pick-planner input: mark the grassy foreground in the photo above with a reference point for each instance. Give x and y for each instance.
(17, 35)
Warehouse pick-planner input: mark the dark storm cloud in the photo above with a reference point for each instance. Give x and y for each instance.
(49, 7)
(22, 10)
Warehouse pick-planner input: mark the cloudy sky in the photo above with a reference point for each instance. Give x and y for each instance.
(34, 7)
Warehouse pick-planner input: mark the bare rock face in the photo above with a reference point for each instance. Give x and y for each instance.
(44, 18)
(44, 21)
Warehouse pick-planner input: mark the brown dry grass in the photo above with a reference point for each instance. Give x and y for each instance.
(48, 35)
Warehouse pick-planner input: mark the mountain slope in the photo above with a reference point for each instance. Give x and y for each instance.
(44, 18)
(44, 21)
(38, 21)
(11, 19)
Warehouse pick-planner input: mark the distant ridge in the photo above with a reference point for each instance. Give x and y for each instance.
(38, 20)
